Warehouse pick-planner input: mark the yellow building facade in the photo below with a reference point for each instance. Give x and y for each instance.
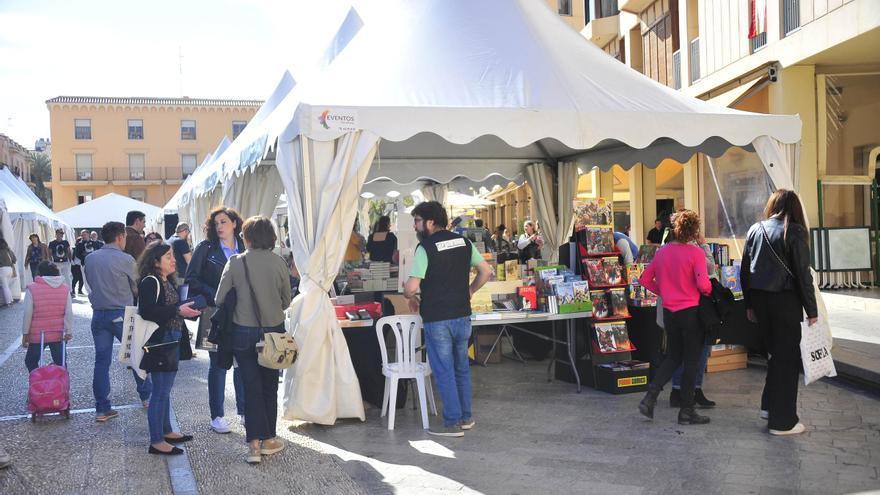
(16, 157)
(819, 59)
(142, 148)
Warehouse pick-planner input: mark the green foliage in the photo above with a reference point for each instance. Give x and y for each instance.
(41, 173)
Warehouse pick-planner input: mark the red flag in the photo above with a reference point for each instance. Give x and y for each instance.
(758, 17)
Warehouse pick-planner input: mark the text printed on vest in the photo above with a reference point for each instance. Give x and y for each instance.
(450, 244)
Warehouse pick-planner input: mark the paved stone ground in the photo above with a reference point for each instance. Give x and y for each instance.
(531, 437)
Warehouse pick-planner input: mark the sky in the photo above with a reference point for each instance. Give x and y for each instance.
(161, 48)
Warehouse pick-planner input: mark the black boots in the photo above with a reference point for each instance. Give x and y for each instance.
(646, 407)
(689, 416)
(699, 399)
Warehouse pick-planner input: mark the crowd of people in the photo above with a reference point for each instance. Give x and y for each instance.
(170, 282)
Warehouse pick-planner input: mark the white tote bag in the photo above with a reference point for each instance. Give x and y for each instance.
(135, 332)
(816, 351)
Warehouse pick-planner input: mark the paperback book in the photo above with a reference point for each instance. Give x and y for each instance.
(600, 304)
(599, 240)
(617, 298)
(592, 212)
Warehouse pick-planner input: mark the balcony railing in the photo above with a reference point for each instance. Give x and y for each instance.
(84, 174)
(791, 16)
(676, 69)
(125, 173)
(122, 174)
(758, 42)
(694, 59)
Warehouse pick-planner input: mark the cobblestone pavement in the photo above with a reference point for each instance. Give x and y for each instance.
(531, 437)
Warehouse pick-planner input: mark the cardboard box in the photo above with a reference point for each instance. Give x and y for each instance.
(621, 382)
(724, 350)
(715, 368)
(484, 339)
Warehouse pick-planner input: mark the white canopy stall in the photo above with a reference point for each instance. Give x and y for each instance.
(107, 208)
(440, 91)
(26, 215)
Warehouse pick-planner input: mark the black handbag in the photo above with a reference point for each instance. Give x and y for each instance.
(161, 357)
(186, 351)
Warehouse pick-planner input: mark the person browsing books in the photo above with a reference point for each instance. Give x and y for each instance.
(678, 275)
(441, 270)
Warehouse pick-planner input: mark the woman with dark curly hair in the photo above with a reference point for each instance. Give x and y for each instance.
(159, 302)
(222, 241)
(678, 275)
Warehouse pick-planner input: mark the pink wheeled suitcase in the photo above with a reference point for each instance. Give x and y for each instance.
(49, 387)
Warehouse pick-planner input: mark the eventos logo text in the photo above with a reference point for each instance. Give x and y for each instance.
(338, 120)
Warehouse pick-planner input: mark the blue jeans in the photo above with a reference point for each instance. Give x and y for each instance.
(217, 388)
(260, 384)
(104, 329)
(698, 383)
(447, 345)
(159, 412)
(32, 357)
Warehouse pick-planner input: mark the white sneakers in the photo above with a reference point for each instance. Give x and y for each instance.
(219, 425)
(765, 414)
(797, 429)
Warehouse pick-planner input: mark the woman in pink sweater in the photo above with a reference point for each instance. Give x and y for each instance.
(678, 274)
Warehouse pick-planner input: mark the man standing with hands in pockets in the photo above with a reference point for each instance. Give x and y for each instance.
(441, 269)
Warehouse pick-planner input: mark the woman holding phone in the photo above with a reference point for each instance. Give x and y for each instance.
(158, 302)
(222, 232)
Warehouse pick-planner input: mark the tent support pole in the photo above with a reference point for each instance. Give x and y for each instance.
(307, 191)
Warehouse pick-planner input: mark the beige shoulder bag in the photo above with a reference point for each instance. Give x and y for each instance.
(279, 350)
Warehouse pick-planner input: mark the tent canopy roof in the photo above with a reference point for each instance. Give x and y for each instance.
(109, 207)
(507, 79)
(21, 202)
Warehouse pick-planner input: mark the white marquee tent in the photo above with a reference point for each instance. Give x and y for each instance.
(110, 207)
(439, 91)
(26, 215)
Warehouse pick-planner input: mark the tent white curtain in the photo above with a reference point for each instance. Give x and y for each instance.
(567, 180)
(435, 192)
(541, 180)
(323, 181)
(254, 193)
(781, 160)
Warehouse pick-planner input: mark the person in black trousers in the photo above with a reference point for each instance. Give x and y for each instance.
(778, 288)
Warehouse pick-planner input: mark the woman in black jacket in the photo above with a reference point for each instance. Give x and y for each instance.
(158, 302)
(778, 288)
(222, 231)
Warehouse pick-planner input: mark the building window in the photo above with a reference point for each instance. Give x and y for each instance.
(138, 194)
(187, 165)
(135, 129)
(82, 128)
(83, 167)
(188, 130)
(564, 7)
(136, 165)
(237, 127)
(83, 196)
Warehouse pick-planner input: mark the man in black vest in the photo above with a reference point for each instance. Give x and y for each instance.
(441, 269)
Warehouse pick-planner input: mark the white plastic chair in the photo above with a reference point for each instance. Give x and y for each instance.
(407, 338)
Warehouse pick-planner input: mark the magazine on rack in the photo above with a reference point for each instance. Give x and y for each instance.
(613, 270)
(613, 337)
(617, 297)
(592, 212)
(600, 304)
(595, 271)
(600, 240)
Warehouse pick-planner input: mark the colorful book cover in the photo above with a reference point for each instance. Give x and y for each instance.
(511, 270)
(617, 297)
(646, 253)
(730, 278)
(613, 337)
(600, 304)
(595, 272)
(508, 302)
(581, 291)
(613, 270)
(633, 271)
(529, 296)
(499, 272)
(552, 283)
(600, 240)
(592, 212)
(565, 293)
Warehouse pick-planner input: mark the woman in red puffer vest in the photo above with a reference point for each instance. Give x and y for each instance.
(48, 311)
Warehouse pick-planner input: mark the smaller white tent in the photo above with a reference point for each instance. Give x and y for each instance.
(26, 215)
(107, 208)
